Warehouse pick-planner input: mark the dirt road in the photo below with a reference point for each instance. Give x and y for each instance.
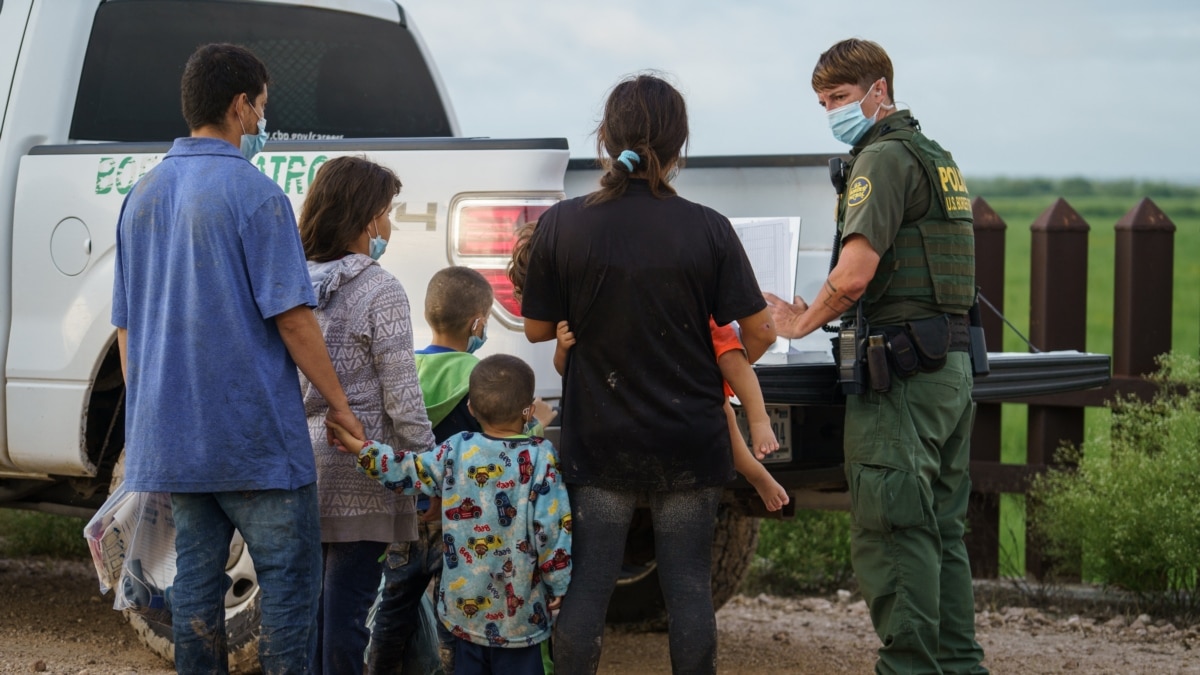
(53, 620)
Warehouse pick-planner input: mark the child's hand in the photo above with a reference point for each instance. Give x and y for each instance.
(554, 604)
(542, 412)
(344, 441)
(566, 339)
(762, 438)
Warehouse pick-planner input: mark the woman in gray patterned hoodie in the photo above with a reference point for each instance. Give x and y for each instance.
(364, 315)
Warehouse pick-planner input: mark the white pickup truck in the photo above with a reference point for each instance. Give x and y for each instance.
(89, 101)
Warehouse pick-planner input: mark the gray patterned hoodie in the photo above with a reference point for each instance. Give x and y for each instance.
(364, 316)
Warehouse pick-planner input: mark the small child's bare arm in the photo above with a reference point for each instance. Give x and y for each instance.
(741, 378)
(566, 340)
(773, 495)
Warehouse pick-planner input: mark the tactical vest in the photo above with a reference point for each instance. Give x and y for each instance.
(933, 258)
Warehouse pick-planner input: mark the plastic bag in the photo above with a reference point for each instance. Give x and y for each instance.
(132, 542)
(423, 654)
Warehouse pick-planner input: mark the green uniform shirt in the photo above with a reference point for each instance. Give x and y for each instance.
(887, 187)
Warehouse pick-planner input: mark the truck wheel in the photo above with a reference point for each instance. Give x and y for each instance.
(638, 600)
(242, 610)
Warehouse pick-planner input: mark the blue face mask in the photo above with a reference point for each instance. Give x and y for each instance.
(378, 246)
(848, 122)
(252, 144)
(474, 342)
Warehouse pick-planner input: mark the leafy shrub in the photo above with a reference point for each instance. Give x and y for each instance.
(24, 533)
(809, 553)
(1132, 516)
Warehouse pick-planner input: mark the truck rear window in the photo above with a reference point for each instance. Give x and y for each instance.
(333, 74)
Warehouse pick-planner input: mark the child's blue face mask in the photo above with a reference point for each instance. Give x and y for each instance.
(378, 245)
(474, 342)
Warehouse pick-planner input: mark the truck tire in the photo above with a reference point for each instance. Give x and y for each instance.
(242, 611)
(637, 600)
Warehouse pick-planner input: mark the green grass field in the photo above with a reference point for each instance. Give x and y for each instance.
(1101, 213)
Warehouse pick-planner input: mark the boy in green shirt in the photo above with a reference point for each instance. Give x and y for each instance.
(458, 303)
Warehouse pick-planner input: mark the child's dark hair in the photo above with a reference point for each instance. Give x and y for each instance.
(518, 265)
(346, 194)
(214, 76)
(644, 115)
(501, 388)
(455, 296)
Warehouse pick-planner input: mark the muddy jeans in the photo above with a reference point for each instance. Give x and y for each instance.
(282, 529)
(683, 532)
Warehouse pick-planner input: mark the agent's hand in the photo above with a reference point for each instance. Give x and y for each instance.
(555, 604)
(350, 424)
(341, 438)
(786, 315)
(542, 412)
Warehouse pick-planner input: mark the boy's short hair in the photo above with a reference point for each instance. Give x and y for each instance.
(216, 74)
(501, 388)
(456, 295)
(853, 61)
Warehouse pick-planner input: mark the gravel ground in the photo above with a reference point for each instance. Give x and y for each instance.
(52, 619)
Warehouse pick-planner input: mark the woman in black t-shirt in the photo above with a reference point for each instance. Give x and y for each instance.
(637, 271)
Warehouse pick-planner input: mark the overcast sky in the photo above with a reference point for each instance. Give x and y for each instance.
(1104, 88)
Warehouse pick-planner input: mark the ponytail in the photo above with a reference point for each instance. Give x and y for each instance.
(643, 132)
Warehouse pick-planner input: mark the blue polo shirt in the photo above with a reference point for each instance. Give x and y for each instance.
(207, 254)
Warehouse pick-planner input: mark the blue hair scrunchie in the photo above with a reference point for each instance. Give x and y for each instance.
(629, 158)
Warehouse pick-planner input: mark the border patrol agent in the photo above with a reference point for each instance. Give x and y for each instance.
(905, 251)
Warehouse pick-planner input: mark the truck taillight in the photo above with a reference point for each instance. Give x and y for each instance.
(482, 233)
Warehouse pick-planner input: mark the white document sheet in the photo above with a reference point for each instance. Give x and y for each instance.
(771, 245)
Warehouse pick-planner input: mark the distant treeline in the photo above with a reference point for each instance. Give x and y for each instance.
(1079, 187)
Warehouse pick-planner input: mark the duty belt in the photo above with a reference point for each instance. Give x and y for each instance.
(960, 332)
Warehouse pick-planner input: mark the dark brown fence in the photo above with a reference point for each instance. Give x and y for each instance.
(1058, 320)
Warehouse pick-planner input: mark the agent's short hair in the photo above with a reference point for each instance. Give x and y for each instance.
(214, 76)
(501, 388)
(853, 61)
(455, 296)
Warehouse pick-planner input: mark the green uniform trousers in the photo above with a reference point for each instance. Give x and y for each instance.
(907, 456)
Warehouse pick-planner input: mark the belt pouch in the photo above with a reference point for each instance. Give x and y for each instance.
(877, 365)
(931, 338)
(901, 352)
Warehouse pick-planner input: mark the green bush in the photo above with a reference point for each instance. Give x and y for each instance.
(1128, 515)
(24, 533)
(807, 554)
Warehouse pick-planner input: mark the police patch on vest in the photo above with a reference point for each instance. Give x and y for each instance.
(954, 190)
(858, 191)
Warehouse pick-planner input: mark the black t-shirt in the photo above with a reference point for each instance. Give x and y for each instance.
(637, 279)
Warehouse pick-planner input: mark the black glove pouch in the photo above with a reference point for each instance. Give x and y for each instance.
(931, 338)
(901, 352)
